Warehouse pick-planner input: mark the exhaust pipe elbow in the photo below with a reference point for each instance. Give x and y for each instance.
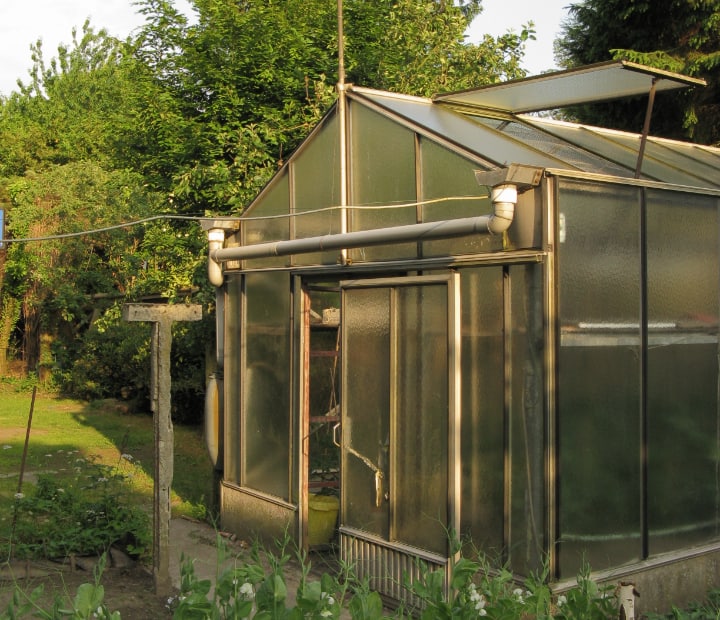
(216, 240)
(504, 199)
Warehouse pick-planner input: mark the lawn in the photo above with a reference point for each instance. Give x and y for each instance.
(65, 430)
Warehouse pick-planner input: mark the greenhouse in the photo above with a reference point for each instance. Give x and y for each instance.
(459, 315)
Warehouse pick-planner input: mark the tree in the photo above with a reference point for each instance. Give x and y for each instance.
(251, 78)
(676, 35)
(186, 119)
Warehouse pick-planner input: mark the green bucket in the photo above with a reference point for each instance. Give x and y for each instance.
(322, 516)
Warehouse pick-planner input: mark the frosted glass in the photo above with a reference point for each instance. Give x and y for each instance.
(366, 397)
(275, 200)
(683, 490)
(527, 421)
(599, 376)
(446, 174)
(383, 173)
(233, 314)
(420, 451)
(316, 185)
(483, 442)
(265, 438)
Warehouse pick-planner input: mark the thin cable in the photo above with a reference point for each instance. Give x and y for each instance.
(404, 205)
(94, 231)
(198, 218)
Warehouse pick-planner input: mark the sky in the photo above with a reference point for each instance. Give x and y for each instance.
(22, 22)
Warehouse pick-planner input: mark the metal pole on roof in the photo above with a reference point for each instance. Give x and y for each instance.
(646, 128)
(342, 118)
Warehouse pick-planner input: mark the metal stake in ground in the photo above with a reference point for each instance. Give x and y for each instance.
(162, 317)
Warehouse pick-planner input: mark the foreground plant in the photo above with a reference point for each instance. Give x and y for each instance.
(707, 610)
(478, 590)
(83, 510)
(88, 602)
(255, 587)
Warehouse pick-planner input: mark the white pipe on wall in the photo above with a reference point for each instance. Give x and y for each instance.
(216, 239)
(445, 229)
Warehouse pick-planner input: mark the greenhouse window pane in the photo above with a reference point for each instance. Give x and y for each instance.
(446, 174)
(366, 425)
(233, 314)
(266, 391)
(483, 423)
(599, 377)
(274, 201)
(683, 491)
(316, 185)
(383, 173)
(527, 421)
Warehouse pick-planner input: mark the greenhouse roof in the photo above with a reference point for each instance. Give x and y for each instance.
(475, 122)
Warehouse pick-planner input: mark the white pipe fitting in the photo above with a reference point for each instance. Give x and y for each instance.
(216, 240)
(504, 199)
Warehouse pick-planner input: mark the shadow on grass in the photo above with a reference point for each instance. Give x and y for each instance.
(105, 431)
(132, 436)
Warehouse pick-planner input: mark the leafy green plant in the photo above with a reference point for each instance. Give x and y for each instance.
(255, 587)
(707, 610)
(82, 514)
(476, 589)
(87, 603)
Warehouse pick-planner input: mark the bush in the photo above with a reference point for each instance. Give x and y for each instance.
(83, 514)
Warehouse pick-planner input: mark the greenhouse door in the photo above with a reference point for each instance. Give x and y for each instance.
(400, 393)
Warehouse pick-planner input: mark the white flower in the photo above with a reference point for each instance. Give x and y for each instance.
(482, 612)
(127, 457)
(518, 595)
(103, 479)
(326, 613)
(562, 599)
(324, 596)
(247, 591)
(19, 495)
(7, 447)
(61, 490)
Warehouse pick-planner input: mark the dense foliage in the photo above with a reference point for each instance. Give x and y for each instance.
(682, 36)
(184, 119)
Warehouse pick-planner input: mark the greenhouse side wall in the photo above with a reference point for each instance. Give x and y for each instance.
(638, 385)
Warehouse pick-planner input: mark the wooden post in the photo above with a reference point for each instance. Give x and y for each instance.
(162, 317)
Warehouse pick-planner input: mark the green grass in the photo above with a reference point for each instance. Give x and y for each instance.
(64, 429)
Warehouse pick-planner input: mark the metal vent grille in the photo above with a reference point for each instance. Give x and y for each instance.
(387, 569)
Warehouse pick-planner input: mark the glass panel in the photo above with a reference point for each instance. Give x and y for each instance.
(383, 173)
(571, 155)
(233, 314)
(527, 421)
(420, 439)
(482, 437)
(275, 200)
(366, 399)
(683, 492)
(446, 174)
(266, 445)
(463, 129)
(316, 178)
(599, 376)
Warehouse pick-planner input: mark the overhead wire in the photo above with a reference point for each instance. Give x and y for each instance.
(198, 218)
